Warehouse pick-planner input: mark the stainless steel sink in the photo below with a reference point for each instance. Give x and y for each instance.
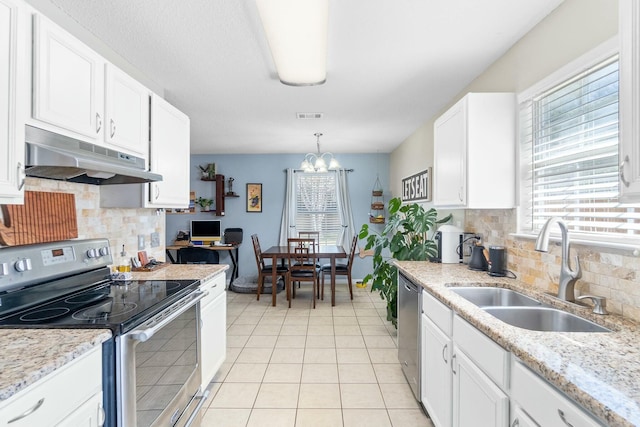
(492, 297)
(544, 319)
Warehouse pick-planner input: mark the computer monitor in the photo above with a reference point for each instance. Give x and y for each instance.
(204, 232)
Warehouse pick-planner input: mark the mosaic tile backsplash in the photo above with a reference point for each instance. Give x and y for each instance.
(120, 226)
(611, 273)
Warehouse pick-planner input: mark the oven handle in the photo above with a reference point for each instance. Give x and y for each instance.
(144, 334)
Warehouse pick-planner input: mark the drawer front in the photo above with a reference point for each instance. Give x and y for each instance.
(215, 286)
(486, 354)
(543, 402)
(439, 313)
(56, 395)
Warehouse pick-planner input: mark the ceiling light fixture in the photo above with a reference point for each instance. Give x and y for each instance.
(315, 162)
(297, 34)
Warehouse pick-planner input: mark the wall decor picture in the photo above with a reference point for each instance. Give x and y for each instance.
(254, 197)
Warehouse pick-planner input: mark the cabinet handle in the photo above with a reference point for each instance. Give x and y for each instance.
(444, 349)
(102, 416)
(460, 194)
(157, 192)
(622, 178)
(28, 411)
(98, 122)
(515, 423)
(564, 420)
(113, 128)
(20, 176)
(453, 359)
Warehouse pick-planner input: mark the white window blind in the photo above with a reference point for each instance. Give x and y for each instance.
(569, 157)
(317, 206)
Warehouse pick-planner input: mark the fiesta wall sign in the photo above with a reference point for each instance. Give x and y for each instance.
(417, 187)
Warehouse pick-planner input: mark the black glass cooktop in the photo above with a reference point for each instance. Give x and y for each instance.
(114, 305)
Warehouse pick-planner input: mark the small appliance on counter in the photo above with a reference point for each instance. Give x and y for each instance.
(449, 239)
(478, 259)
(497, 261)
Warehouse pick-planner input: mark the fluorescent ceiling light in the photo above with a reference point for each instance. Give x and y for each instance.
(297, 34)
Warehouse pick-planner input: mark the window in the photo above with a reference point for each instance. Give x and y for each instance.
(569, 157)
(317, 207)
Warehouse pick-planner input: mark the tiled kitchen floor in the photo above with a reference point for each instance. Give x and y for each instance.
(303, 367)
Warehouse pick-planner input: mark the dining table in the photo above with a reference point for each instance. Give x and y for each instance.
(331, 252)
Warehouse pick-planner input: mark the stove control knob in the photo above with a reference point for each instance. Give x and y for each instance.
(92, 253)
(104, 251)
(23, 264)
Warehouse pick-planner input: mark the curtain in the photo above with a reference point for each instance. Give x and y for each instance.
(287, 227)
(346, 214)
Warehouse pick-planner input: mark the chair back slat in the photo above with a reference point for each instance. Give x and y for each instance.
(302, 254)
(354, 245)
(258, 252)
(315, 235)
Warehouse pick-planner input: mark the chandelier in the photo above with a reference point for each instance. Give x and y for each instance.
(315, 162)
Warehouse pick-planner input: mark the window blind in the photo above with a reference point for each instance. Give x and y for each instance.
(317, 206)
(569, 157)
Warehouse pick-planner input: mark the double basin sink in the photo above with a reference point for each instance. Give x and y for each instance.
(522, 311)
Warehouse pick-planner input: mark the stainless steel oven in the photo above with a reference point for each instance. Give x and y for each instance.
(151, 371)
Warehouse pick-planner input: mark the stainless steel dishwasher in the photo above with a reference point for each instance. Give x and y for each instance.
(409, 331)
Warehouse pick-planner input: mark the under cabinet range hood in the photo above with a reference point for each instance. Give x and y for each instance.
(54, 156)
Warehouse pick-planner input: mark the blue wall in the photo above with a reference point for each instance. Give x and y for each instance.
(268, 169)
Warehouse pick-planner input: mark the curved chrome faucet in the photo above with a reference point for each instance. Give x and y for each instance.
(568, 277)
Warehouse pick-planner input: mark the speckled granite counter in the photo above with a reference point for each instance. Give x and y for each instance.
(600, 371)
(182, 271)
(30, 354)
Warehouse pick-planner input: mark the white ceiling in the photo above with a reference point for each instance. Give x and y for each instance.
(392, 64)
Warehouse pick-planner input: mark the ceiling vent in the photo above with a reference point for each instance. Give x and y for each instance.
(309, 115)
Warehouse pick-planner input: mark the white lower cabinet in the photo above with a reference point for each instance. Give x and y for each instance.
(519, 418)
(436, 373)
(544, 403)
(70, 396)
(477, 401)
(213, 328)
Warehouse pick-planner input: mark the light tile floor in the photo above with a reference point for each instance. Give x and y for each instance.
(298, 366)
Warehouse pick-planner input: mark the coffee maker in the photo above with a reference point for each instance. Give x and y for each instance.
(449, 240)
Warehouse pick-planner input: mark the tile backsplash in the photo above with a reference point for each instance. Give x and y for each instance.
(120, 226)
(611, 273)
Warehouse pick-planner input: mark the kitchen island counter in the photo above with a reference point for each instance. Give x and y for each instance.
(600, 371)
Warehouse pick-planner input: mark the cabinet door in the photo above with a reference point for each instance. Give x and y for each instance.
(449, 168)
(213, 337)
(169, 155)
(629, 100)
(436, 373)
(476, 399)
(13, 94)
(126, 112)
(90, 414)
(519, 418)
(68, 81)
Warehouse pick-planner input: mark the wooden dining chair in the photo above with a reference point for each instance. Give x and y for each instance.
(264, 269)
(315, 235)
(342, 269)
(302, 266)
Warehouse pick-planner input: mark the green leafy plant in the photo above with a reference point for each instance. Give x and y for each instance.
(406, 237)
(204, 203)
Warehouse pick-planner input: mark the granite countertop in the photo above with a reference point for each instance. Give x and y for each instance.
(600, 371)
(30, 354)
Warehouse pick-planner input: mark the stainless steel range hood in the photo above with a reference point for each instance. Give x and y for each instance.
(54, 156)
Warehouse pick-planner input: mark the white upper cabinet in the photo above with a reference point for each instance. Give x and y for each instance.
(80, 94)
(68, 80)
(629, 101)
(169, 156)
(126, 112)
(14, 93)
(474, 153)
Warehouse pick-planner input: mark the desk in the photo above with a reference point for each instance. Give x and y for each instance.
(325, 251)
(233, 254)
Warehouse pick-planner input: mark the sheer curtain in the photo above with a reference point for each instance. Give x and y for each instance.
(346, 214)
(287, 227)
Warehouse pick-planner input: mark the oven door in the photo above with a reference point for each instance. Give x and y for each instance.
(157, 368)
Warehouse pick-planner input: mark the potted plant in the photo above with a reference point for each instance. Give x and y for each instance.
(406, 238)
(204, 204)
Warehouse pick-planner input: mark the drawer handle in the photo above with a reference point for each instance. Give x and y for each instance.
(28, 411)
(102, 416)
(453, 358)
(21, 176)
(444, 349)
(564, 420)
(515, 423)
(98, 122)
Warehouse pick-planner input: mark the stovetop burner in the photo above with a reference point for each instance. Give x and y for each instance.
(109, 304)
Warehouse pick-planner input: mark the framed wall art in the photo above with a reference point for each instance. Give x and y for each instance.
(254, 197)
